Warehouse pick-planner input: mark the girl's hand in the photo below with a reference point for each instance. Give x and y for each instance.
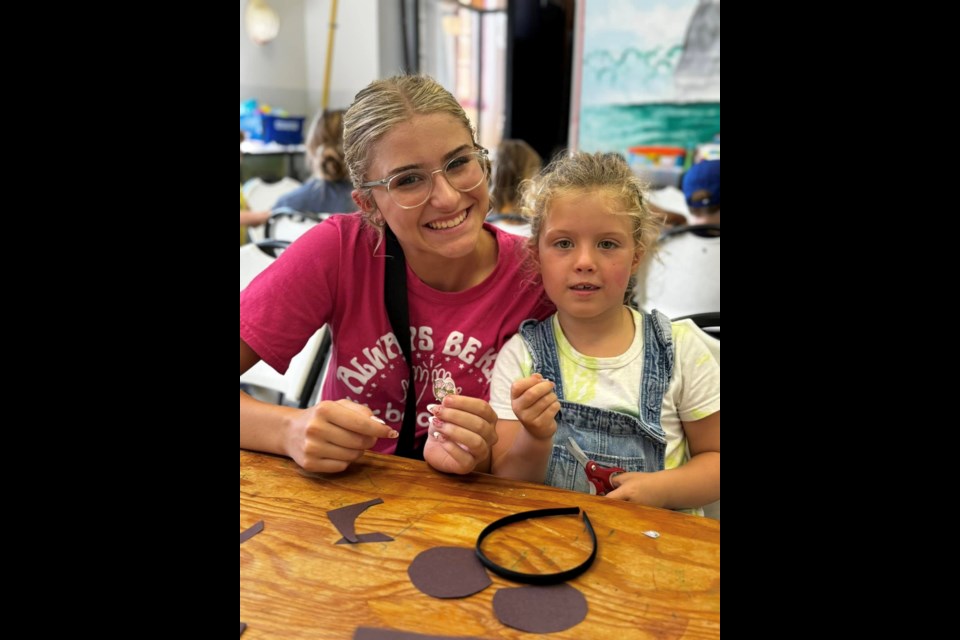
(536, 405)
(467, 430)
(254, 218)
(329, 436)
(638, 487)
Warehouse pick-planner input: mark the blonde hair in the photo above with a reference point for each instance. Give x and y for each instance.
(378, 108)
(516, 161)
(325, 146)
(581, 172)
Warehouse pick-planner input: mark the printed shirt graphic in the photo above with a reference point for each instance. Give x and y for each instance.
(614, 383)
(333, 275)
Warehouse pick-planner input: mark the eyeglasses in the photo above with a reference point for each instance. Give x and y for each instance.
(410, 189)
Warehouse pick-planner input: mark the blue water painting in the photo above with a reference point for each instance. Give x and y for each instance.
(618, 127)
(650, 74)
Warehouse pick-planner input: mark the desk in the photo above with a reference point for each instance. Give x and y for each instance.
(296, 583)
(290, 156)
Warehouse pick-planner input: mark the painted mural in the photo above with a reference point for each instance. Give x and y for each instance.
(650, 75)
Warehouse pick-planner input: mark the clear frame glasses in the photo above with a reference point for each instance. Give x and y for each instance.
(411, 189)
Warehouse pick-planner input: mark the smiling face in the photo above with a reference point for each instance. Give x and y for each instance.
(449, 223)
(586, 253)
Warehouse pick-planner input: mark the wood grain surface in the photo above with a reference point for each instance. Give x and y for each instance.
(296, 583)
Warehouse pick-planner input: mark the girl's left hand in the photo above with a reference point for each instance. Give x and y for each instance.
(636, 486)
(467, 429)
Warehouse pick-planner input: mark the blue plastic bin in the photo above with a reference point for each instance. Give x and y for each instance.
(282, 130)
(269, 128)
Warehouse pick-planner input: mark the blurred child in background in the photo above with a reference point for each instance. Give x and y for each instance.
(248, 218)
(329, 189)
(516, 161)
(701, 186)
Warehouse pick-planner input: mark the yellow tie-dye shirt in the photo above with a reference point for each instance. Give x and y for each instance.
(614, 383)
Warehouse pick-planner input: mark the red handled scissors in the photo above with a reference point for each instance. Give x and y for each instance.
(598, 475)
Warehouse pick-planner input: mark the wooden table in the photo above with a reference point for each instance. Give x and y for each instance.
(296, 583)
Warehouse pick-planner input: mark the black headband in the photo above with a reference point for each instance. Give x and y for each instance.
(537, 578)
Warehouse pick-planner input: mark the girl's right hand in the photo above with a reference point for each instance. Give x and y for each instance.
(327, 437)
(535, 405)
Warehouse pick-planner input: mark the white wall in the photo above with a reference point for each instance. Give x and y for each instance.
(391, 39)
(356, 49)
(289, 72)
(275, 73)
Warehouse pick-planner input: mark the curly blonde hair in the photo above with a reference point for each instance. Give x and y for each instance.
(580, 172)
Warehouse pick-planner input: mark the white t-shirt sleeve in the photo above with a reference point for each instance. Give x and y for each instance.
(696, 366)
(513, 363)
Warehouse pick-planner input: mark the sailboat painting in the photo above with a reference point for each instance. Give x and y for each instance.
(649, 75)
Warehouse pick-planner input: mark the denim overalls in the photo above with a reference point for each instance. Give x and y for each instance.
(608, 437)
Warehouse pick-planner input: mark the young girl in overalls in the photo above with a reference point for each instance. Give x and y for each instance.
(633, 391)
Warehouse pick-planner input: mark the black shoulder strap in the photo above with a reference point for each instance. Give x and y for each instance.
(395, 298)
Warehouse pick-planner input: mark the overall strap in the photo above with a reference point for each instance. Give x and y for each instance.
(657, 365)
(542, 345)
(395, 299)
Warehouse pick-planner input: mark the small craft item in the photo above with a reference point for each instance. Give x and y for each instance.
(371, 633)
(252, 531)
(367, 537)
(448, 572)
(443, 387)
(537, 578)
(344, 519)
(540, 609)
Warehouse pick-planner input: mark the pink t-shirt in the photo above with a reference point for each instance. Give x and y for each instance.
(331, 275)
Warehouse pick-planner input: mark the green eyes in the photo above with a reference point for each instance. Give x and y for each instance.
(603, 244)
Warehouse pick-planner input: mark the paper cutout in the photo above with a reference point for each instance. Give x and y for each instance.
(367, 537)
(344, 518)
(540, 609)
(243, 627)
(443, 387)
(448, 572)
(252, 531)
(369, 633)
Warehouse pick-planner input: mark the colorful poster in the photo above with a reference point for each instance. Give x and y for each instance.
(649, 75)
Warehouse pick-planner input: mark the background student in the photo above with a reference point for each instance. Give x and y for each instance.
(328, 190)
(248, 218)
